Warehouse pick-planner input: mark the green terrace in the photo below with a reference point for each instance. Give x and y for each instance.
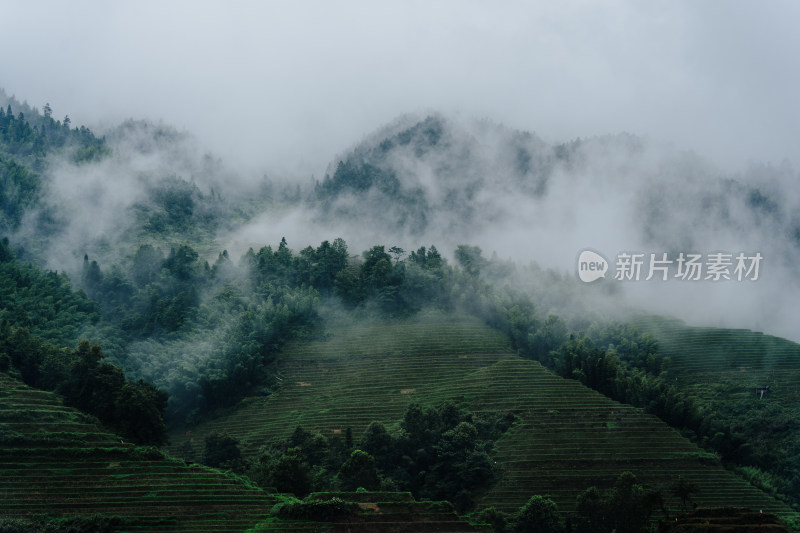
(740, 360)
(567, 437)
(65, 466)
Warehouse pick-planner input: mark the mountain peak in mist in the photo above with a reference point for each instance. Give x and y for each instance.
(410, 175)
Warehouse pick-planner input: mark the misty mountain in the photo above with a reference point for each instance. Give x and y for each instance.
(134, 219)
(65, 192)
(435, 180)
(449, 181)
(436, 173)
(28, 142)
(439, 176)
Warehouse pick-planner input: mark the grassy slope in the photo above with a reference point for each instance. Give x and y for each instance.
(55, 460)
(567, 439)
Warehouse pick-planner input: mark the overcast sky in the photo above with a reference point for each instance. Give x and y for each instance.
(290, 84)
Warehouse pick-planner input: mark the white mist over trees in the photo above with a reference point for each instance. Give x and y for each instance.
(442, 180)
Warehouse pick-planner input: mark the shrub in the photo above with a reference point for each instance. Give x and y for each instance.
(323, 511)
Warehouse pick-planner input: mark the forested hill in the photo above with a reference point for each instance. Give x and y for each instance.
(119, 290)
(442, 178)
(41, 321)
(25, 143)
(435, 172)
(29, 135)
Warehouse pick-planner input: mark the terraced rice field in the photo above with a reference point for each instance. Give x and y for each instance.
(357, 376)
(742, 358)
(568, 437)
(56, 461)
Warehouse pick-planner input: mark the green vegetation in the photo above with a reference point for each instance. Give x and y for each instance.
(287, 287)
(368, 184)
(718, 372)
(539, 514)
(727, 519)
(437, 454)
(566, 438)
(317, 510)
(626, 507)
(30, 138)
(208, 334)
(220, 449)
(431, 387)
(42, 314)
(44, 303)
(700, 380)
(57, 463)
(392, 512)
(25, 142)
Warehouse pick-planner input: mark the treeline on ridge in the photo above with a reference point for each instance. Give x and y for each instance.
(25, 142)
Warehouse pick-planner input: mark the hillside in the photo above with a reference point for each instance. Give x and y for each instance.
(59, 467)
(724, 372)
(444, 178)
(566, 437)
(57, 462)
(263, 345)
(738, 358)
